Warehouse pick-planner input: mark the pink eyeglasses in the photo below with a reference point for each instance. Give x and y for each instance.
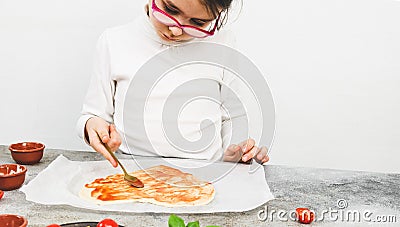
(169, 20)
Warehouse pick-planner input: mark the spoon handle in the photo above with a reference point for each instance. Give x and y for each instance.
(115, 157)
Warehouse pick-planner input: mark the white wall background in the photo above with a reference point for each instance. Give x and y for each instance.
(333, 67)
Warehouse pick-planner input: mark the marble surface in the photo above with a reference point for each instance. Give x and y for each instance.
(337, 197)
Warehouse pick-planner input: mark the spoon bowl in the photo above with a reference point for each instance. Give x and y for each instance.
(132, 180)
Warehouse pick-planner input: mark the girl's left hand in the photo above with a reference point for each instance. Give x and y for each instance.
(245, 151)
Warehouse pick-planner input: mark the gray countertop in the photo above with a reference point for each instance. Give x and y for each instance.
(338, 198)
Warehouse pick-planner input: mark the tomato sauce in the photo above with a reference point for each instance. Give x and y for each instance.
(161, 183)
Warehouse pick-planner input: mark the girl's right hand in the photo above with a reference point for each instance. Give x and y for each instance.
(98, 132)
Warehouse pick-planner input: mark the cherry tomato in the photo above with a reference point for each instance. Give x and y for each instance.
(1, 194)
(53, 225)
(107, 223)
(304, 215)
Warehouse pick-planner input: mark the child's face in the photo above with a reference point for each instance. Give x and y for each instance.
(187, 12)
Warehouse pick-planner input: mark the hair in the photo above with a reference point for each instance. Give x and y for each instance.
(217, 7)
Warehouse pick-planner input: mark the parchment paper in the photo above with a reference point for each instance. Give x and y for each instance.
(61, 181)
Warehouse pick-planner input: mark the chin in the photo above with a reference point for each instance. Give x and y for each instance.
(168, 39)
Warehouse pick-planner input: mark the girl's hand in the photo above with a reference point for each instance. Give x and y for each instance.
(245, 151)
(96, 129)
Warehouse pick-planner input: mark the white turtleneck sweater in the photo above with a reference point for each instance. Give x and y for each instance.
(120, 52)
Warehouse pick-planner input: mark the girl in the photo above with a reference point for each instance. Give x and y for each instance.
(120, 53)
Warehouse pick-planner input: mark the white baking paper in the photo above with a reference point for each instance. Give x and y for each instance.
(60, 183)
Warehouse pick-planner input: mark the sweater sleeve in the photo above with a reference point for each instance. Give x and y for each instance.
(99, 100)
(233, 112)
(240, 113)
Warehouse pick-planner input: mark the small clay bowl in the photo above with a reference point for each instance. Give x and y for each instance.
(26, 153)
(8, 220)
(12, 176)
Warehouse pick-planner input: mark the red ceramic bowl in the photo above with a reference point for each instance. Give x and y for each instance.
(12, 176)
(26, 153)
(8, 220)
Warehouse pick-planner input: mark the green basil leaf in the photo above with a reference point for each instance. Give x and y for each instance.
(193, 224)
(175, 221)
